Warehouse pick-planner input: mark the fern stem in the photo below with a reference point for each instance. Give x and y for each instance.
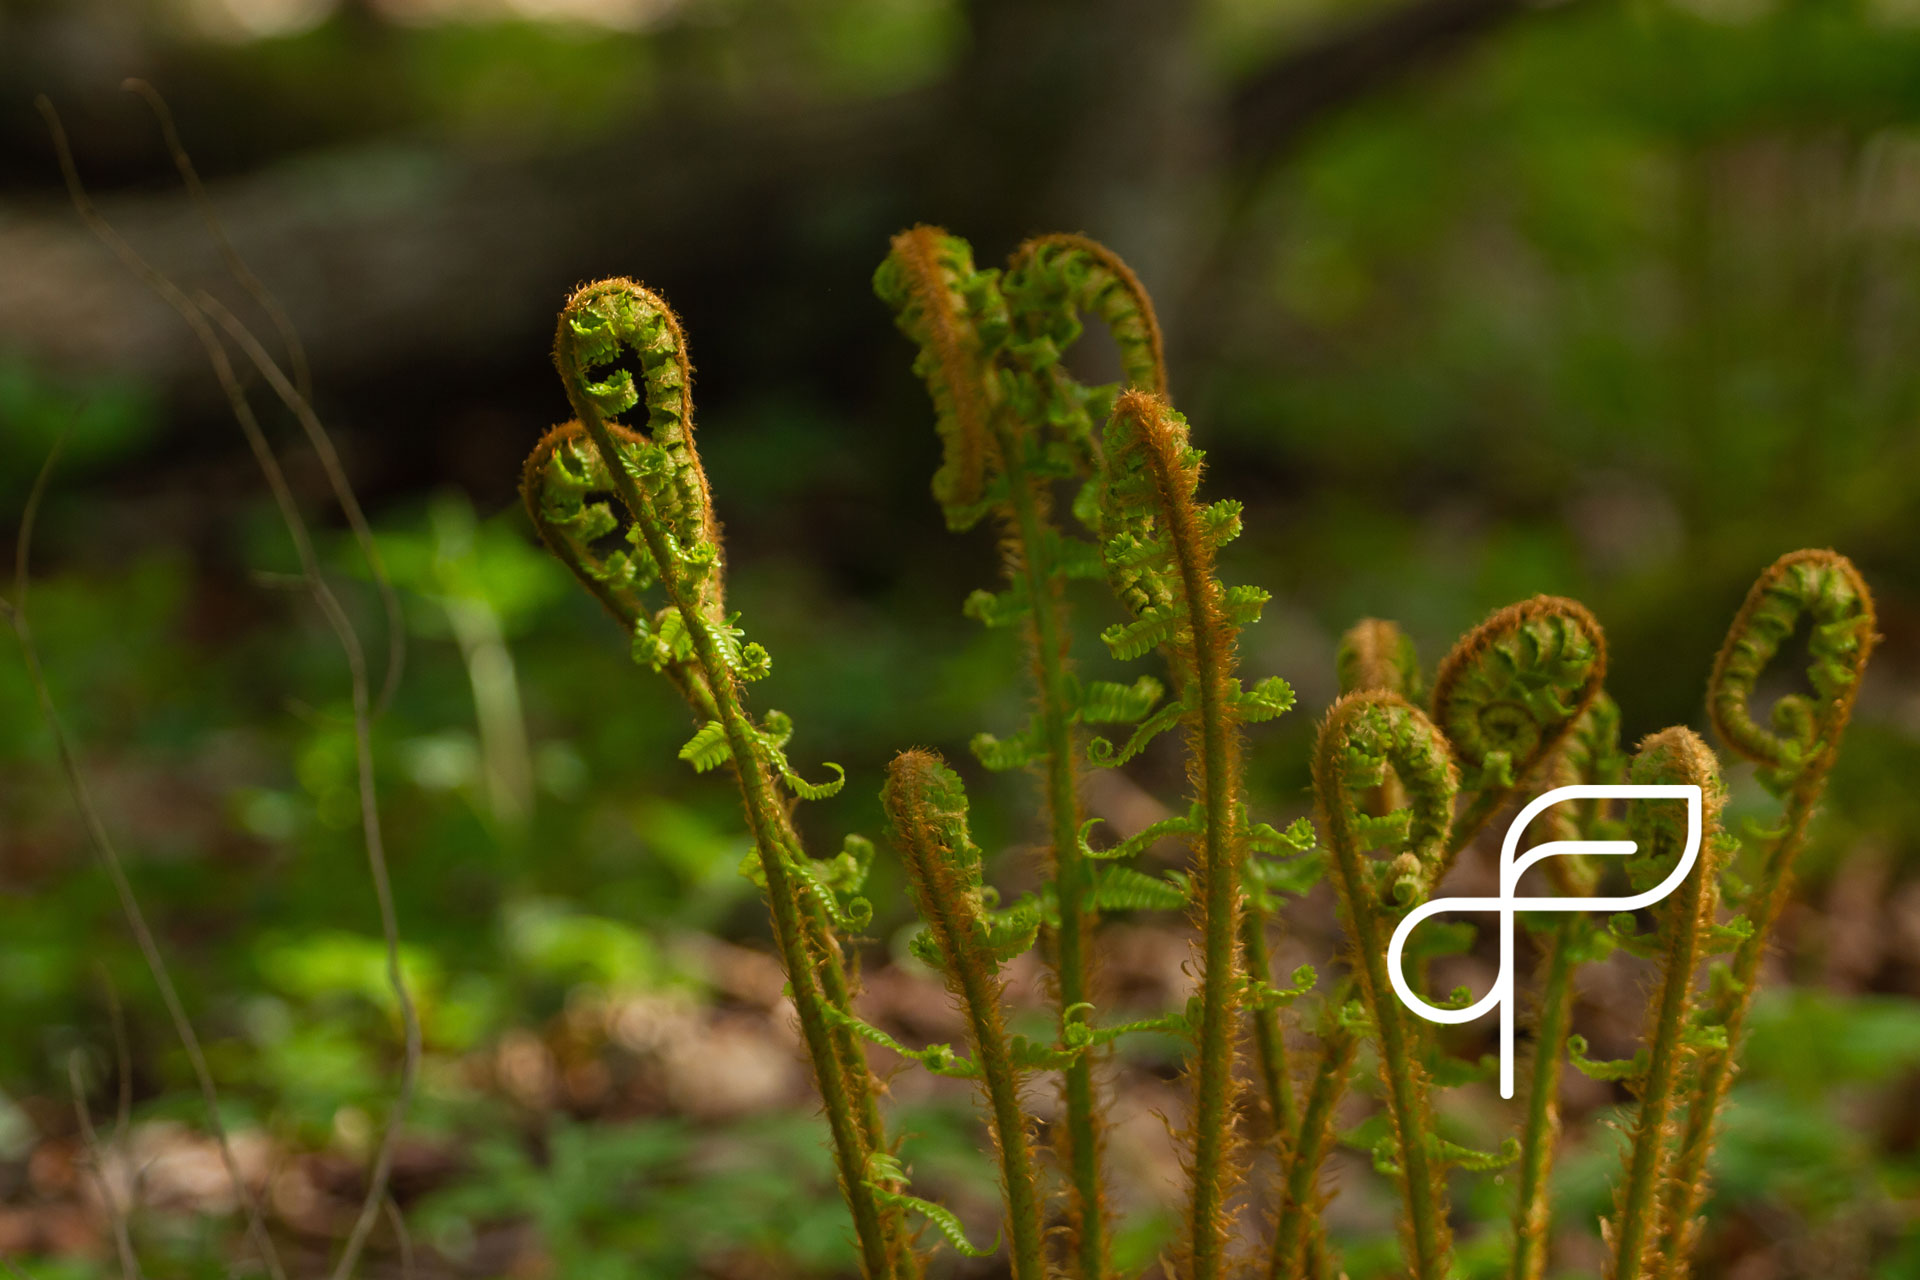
(1146, 422)
(927, 810)
(1296, 1236)
(1269, 1044)
(1532, 1211)
(1673, 755)
(1080, 1136)
(1590, 754)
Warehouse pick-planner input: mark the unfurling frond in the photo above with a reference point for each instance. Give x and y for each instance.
(927, 809)
(954, 314)
(1509, 693)
(1827, 590)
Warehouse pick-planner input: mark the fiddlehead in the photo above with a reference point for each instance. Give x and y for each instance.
(1158, 546)
(674, 544)
(1793, 759)
(1365, 736)
(1509, 692)
(928, 811)
(1671, 756)
(569, 496)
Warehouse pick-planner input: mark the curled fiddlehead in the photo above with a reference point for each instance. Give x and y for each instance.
(1366, 735)
(1824, 588)
(1509, 692)
(927, 809)
(569, 497)
(1793, 759)
(673, 550)
(1158, 547)
(1660, 829)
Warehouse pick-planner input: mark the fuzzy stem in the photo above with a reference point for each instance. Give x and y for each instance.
(1296, 1233)
(1686, 1191)
(1672, 755)
(1215, 767)
(919, 788)
(1080, 1136)
(1532, 1206)
(1269, 1043)
(762, 807)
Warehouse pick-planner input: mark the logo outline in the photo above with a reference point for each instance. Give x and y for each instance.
(1502, 993)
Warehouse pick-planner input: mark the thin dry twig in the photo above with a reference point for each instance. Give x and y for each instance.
(403, 1236)
(16, 614)
(116, 1216)
(297, 394)
(335, 615)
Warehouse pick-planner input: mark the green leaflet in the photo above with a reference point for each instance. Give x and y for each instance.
(1102, 753)
(1105, 702)
(1155, 626)
(996, 609)
(1189, 823)
(1479, 1161)
(1117, 888)
(884, 1173)
(708, 747)
(1268, 700)
(1002, 754)
(937, 1058)
(1610, 1069)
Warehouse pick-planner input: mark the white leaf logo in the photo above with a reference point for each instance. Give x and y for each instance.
(1512, 868)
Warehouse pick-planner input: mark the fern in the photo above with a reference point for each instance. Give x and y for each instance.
(1516, 706)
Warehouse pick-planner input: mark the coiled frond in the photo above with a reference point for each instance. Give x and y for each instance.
(1365, 736)
(1510, 691)
(1050, 283)
(1826, 590)
(603, 324)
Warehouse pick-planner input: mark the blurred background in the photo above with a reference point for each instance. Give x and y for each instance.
(1467, 299)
